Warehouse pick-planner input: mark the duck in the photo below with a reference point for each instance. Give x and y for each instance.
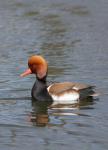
(61, 92)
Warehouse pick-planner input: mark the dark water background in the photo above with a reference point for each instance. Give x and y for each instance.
(73, 37)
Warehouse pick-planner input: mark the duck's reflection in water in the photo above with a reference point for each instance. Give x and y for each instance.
(39, 115)
(41, 111)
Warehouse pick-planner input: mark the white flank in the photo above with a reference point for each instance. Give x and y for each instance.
(75, 88)
(49, 87)
(67, 98)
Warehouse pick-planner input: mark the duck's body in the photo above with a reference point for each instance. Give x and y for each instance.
(69, 91)
(60, 92)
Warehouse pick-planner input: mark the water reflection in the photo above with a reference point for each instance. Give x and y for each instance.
(42, 111)
(77, 10)
(39, 114)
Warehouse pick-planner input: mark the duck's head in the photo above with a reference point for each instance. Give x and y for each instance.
(37, 65)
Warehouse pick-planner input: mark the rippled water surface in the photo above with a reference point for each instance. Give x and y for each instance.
(73, 37)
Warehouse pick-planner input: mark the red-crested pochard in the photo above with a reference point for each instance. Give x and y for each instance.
(61, 92)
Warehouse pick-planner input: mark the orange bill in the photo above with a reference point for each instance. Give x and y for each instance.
(27, 72)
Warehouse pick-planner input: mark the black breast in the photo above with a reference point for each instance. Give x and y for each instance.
(39, 91)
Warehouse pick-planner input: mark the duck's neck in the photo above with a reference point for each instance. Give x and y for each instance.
(39, 90)
(43, 80)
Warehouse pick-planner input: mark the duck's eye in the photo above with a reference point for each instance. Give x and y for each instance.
(33, 68)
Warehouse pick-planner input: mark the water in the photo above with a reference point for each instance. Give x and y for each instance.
(72, 36)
